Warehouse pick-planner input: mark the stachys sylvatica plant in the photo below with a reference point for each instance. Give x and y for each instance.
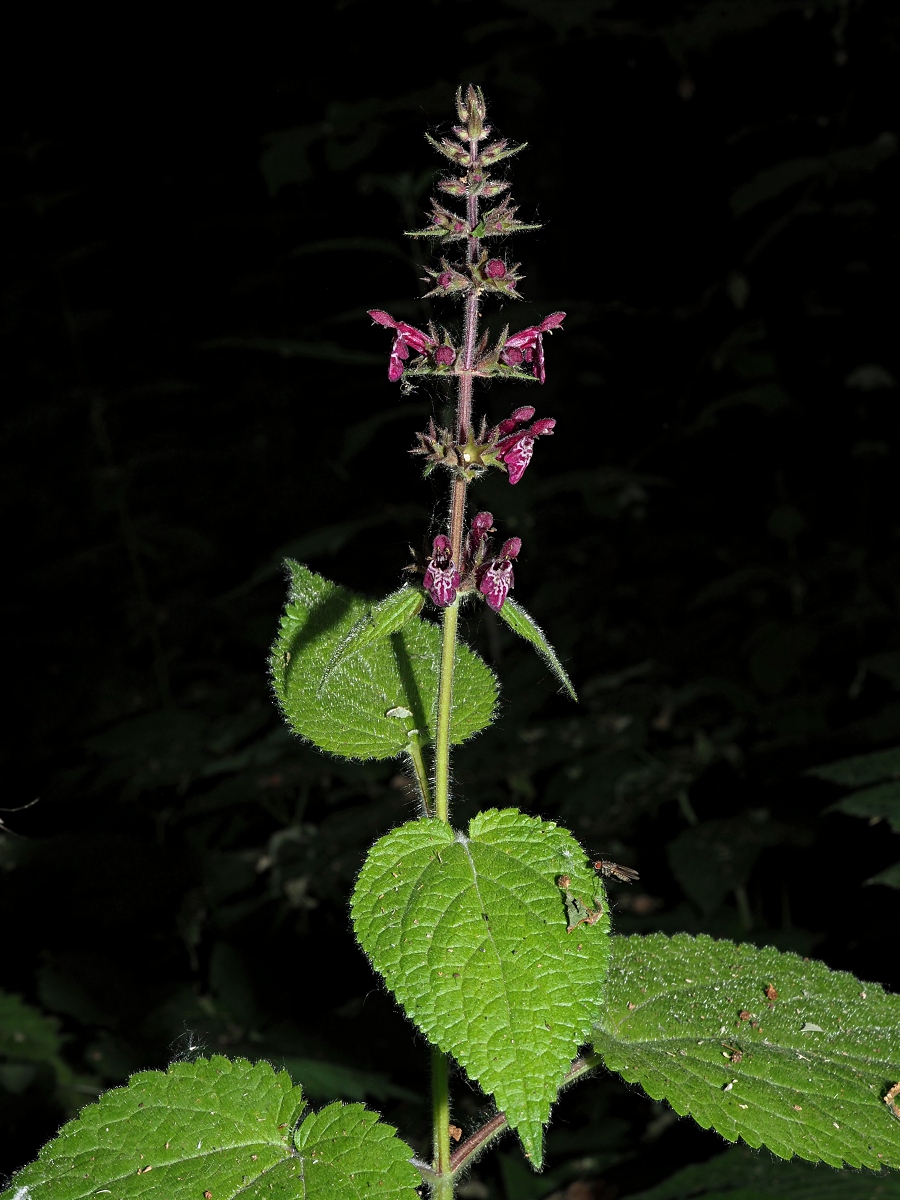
(495, 939)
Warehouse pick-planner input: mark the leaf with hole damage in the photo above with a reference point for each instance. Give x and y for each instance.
(470, 932)
(367, 704)
(218, 1129)
(756, 1044)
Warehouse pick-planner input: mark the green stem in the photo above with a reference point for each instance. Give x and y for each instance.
(442, 1186)
(414, 750)
(445, 708)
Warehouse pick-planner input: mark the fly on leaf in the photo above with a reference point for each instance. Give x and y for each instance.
(613, 870)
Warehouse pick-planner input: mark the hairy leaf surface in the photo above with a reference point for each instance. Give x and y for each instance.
(525, 626)
(756, 1044)
(470, 933)
(366, 705)
(742, 1174)
(218, 1129)
(382, 619)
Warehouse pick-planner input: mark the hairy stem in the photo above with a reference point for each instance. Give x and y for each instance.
(445, 708)
(414, 750)
(478, 1142)
(442, 1185)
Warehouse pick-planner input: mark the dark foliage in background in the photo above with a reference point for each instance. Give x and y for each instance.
(193, 235)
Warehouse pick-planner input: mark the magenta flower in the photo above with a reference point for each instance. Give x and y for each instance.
(406, 336)
(515, 450)
(527, 345)
(441, 576)
(497, 577)
(515, 419)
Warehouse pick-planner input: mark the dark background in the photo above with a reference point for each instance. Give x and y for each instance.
(195, 223)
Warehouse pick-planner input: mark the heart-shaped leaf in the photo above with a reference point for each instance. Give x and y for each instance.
(369, 702)
(218, 1129)
(495, 944)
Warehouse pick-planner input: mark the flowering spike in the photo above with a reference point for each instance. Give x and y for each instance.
(441, 576)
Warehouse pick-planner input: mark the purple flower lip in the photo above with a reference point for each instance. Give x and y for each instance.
(515, 450)
(497, 577)
(441, 576)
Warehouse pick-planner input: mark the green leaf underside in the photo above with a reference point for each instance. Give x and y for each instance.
(890, 876)
(815, 1062)
(883, 800)
(27, 1035)
(220, 1127)
(370, 702)
(862, 768)
(470, 934)
(742, 1174)
(526, 627)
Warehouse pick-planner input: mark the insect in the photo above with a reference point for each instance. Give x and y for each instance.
(613, 870)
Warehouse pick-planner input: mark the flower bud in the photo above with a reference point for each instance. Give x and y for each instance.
(444, 356)
(481, 524)
(495, 268)
(543, 426)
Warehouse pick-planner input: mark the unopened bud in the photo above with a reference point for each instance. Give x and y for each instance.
(481, 523)
(495, 268)
(444, 356)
